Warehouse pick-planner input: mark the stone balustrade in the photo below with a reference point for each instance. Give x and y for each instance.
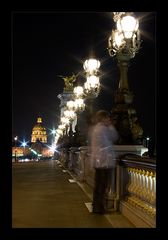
(136, 189)
(133, 188)
(142, 189)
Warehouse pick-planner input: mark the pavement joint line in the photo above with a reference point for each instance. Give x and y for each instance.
(89, 206)
(84, 190)
(72, 180)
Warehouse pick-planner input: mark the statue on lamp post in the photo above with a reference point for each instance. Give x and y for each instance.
(68, 81)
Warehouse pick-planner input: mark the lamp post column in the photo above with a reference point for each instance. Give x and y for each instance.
(123, 62)
(91, 87)
(15, 149)
(89, 108)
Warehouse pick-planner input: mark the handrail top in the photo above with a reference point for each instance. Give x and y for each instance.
(134, 160)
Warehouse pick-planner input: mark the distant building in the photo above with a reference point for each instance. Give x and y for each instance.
(39, 132)
(37, 149)
(19, 151)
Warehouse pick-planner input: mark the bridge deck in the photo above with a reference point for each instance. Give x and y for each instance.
(45, 196)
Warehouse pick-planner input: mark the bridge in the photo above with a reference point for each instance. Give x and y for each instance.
(58, 193)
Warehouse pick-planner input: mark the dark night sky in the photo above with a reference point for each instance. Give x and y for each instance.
(48, 44)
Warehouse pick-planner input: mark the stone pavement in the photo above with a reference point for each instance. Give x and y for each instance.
(45, 195)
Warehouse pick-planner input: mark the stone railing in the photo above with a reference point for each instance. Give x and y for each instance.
(73, 159)
(136, 189)
(134, 182)
(64, 157)
(76, 160)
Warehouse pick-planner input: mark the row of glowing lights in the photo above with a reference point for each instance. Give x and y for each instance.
(127, 26)
(52, 147)
(91, 68)
(25, 144)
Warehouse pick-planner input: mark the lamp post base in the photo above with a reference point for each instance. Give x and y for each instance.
(125, 119)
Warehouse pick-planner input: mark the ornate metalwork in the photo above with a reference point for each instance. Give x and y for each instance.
(123, 44)
(117, 15)
(118, 43)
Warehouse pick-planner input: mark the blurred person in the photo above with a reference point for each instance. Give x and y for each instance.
(103, 158)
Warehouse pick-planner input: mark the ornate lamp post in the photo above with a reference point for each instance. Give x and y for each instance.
(123, 44)
(70, 113)
(92, 85)
(65, 98)
(79, 107)
(79, 104)
(62, 131)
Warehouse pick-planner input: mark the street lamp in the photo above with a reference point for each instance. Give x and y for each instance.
(123, 44)
(24, 144)
(15, 138)
(147, 142)
(92, 85)
(78, 92)
(125, 40)
(91, 66)
(65, 121)
(53, 131)
(79, 105)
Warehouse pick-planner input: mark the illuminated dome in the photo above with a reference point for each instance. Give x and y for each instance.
(39, 132)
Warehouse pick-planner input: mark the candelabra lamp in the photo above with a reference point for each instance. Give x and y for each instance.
(79, 107)
(91, 86)
(123, 44)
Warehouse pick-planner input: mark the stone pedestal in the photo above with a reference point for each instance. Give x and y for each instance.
(71, 164)
(113, 199)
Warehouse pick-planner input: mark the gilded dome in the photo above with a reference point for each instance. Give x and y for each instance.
(38, 127)
(39, 132)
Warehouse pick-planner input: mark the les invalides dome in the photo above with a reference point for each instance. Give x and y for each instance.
(39, 132)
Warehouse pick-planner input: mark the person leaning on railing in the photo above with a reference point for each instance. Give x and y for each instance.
(103, 158)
